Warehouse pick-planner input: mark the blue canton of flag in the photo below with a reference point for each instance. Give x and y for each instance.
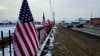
(25, 13)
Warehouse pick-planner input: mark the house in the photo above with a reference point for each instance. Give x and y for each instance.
(84, 22)
(4, 22)
(7, 22)
(95, 21)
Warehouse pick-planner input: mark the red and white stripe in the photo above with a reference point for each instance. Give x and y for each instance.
(25, 40)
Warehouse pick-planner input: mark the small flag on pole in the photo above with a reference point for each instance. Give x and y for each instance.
(45, 25)
(49, 25)
(25, 40)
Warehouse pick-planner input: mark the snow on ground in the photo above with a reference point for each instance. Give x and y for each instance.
(7, 51)
(51, 37)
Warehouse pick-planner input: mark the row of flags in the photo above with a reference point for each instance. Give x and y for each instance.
(25, 38)
(44, 24)
(47, 25)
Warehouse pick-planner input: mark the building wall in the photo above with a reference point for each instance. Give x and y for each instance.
(95, 21)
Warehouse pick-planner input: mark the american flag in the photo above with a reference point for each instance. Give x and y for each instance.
(45, 25)
(25, 40)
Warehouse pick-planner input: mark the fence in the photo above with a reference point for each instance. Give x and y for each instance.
(8, 40)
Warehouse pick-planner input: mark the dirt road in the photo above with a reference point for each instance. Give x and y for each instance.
(72, 43)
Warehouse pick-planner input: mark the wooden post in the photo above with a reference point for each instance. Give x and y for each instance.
(2, 43)
(10, 42)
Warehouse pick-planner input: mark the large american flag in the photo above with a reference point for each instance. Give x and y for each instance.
(25, 40)
(45, 25)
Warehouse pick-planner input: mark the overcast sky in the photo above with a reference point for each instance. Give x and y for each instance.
(68, 10)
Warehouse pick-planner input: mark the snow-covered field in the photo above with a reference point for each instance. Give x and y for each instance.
(6, 30)
(11, 28)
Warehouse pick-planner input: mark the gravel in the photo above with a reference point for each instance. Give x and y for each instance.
(72, 43)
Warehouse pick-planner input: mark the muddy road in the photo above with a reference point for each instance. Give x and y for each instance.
(72, 43)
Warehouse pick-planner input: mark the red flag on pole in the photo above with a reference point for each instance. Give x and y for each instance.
(25, 40)
(45, 25)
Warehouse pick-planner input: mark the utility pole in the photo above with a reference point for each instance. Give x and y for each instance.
(91, 19)
(53, 13)
(54, 17)
(91, 14)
